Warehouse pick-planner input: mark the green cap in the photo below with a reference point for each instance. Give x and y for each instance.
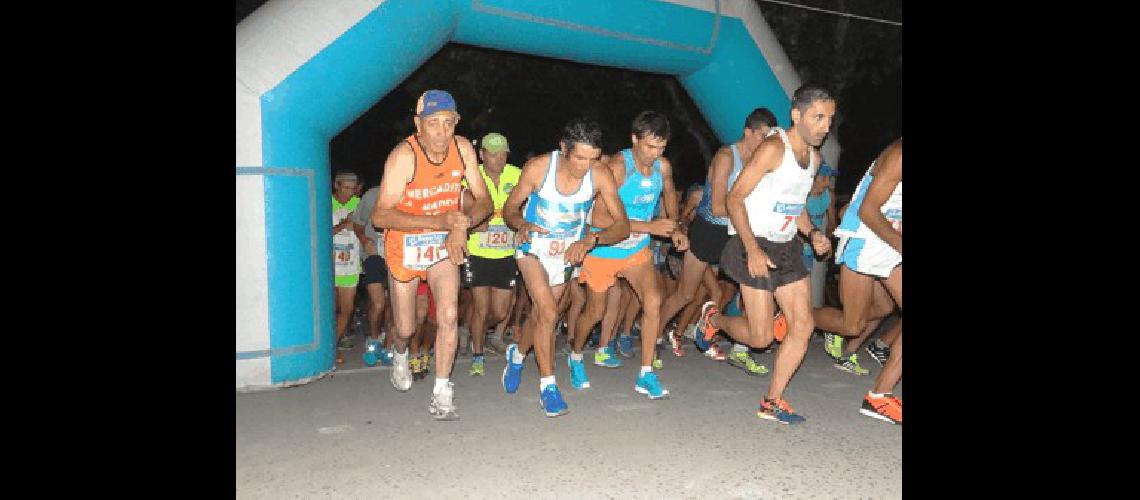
(495, 142)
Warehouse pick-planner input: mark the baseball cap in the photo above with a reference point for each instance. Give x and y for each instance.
(346, 176)
(434, 101)
(495, 142)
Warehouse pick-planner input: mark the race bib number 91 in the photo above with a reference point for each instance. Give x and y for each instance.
(423, 250)
(549, 247)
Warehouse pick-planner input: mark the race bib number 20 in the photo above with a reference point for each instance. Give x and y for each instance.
(423, 250)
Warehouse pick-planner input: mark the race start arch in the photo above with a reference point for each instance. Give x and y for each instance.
(306, 69)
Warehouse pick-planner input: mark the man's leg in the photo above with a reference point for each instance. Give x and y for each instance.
(443, 278)
(616, 303)
(795, 301)
(577, 302)
(892, 371)
(881, 306)
(692, 273)
(480, 316)
(345, 301)
(643, 279)
(856, 293)
(539, 326)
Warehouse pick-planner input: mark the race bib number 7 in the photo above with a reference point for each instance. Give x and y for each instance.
(423, 250)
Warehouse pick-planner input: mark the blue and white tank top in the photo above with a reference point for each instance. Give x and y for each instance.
(640, 195)
(852, 225)
(704, 209)
(564, 215)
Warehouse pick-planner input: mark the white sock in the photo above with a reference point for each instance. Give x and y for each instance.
(440, 383)
(545, 381)
(401, 356)
(644, 370)
(875, 395)
(739, 348)
(518, 357)
(576, 356)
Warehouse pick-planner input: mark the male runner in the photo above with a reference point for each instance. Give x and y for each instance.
(426, 233)
(375, 277)
(870, 253)
(709, 234)
(346, 251)
(645, 179)
(491, 271)
(559, 189)
(766, 208)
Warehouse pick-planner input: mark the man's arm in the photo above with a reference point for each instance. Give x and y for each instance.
(606, 189)
(481, 206)
(720, 167)
(831, 221)
(529, 180)
(887, 175)
(669, 193)
(689, 212)
(398, 171)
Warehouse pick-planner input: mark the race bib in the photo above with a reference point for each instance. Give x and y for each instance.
(345, 258)
(895, 216)
(632, 241)
(549, 248)
(497, 237)
(424, 249)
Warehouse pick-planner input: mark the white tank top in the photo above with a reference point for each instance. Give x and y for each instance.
(852, 224)
(779, 198)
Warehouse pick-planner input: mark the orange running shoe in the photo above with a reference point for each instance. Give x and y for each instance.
(887, 408)
(780, 411)
(780, 326)
(705, 328)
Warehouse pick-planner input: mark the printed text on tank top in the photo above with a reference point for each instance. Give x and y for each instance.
(432, 190)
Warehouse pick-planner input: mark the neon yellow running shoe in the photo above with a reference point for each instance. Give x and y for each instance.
(476, 366)
(744, 361)
(833, 344)
(851, 365)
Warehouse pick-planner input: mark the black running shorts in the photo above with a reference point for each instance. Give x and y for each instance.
(788, 258)
(497, 273)
(375, 271)
(707, 240)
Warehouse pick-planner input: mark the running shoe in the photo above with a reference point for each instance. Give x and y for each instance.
(691, 331)
(442, 404)
(417, 368)
(578, 378)
(551, 401)
(373, 352)
(851, 365)
(715, 353)
(512, 373)
(833, 345)
(401, 377)
(744, 361)
(648, 384)
(705, 329)
(887, 408)
(880, 354)
(780, 326)
(605, 357)
(780, 411)
(476, 365)
(625, 346)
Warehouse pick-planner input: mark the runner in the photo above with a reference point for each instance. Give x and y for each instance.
(491, 270)
(375, 279)
(870, 253)
(346, 252)
(559, 189)
(426, 233)
(766, 208)
(645, 179)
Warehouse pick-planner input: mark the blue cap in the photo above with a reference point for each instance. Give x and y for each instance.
(826, 169)
(434, 101)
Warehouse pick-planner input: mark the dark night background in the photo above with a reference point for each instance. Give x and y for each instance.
(529, 98)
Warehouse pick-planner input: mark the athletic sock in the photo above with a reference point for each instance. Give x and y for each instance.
(644, 370)
(576, 356)
(739, 348)
(545, 381)
(518, 357)
(880, 344)
(440, 383)
(876, 395)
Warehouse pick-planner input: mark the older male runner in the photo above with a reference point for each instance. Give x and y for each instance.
(426, 233)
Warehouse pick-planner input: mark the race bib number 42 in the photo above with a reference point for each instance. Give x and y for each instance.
(497, 237)
(423, 250)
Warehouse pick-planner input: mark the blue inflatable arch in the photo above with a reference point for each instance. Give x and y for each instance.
(306, 69)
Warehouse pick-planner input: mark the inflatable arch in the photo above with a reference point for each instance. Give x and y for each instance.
(306, 69)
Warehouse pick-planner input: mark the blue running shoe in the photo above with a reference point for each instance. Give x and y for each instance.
(551, 401)
(625, 346)
(647, 384)
(604, 356)
(373, 352)
(512, 374)
(578, 378)
(780, 411)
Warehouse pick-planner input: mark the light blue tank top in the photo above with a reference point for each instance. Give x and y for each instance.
(640, 195)
(704, 208)
(563, 215)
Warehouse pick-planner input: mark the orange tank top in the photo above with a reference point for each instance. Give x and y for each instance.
(435, 188)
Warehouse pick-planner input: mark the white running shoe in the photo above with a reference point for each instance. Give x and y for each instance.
(442, 404)
(401, 374)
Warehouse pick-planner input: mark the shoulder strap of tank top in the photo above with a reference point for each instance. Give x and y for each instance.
(551, 167)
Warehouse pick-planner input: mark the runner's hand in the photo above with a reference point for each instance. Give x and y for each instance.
(578, 250)
(662, 227)
(680, 241)
(456, 244)
(457, 220)
(758, 263)
(820, 242)
(523, 234)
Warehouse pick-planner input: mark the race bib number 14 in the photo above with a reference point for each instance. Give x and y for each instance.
(423, 250)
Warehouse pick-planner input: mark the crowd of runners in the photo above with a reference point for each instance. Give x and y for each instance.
(461, 251)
